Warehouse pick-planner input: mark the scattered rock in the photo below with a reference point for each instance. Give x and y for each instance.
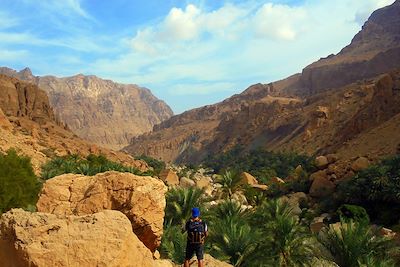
(211, 262)
(360, 164)
(42, 239)
(321, 162)
(186, 182)
(318, 174)
(295, 200)
(141, 199)
(261, 187)
(332, 158)
(169, 177)
(203, 183)
(248, 179)
(277, 180)
(321, 187)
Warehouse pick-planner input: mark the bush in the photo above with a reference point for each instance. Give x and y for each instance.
(91, 165)
(377, 189)
(260, 163)
(157, 165)
(19, 187)
(349, 213)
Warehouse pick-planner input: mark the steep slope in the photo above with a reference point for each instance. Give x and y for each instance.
(101, 111)
(28, 124)
(327, 107)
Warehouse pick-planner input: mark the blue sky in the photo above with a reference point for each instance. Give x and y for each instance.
(189, 53)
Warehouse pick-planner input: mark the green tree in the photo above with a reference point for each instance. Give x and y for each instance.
(354, 244)
(230, 182)
(180, 202)
(173, 243)
(19, 187)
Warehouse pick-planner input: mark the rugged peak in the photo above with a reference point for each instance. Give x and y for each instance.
(26, 72)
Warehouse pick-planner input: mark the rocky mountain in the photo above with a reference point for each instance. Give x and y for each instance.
(28, 124)
(346, 100)
(106, 113)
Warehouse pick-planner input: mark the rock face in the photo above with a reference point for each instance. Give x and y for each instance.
(41, 239)
(141, 199)
(36, 133)
(348, 104)
(101, 111)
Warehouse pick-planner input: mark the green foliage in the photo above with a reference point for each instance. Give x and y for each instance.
(180, 202)
(354, 244)
(90, 165)
(377, 189)
(260, 163)
(157, 165)
(348, 212)
(230, 182)
(19, 187)
(173, 243)
(285, 242)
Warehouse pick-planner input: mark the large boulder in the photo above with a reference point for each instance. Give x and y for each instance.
(360, 164)
(321, 187)
(169, 177)
(42, 239)
(248, 179)
(141, 199)
(186, 182)
(321, 162)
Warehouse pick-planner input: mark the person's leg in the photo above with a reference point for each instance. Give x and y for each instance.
(186, 263)
(200, 255)
(189, 254)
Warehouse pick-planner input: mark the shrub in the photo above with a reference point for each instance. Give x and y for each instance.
(348, 212)
(91, 165)
(173, 244)
(19, 187)
(157, 165)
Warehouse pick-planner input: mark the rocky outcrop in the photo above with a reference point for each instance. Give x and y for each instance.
(321, 111)
(211, 262)
(141, 199)
(169, 177)
(42, 239)
(36, 133)
(106, 113)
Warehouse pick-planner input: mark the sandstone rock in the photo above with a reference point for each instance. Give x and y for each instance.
(248, 179)
(4, 122)
(332, 158)
(141, 199)
(203, 183)
(169, 177)
(321, 187)
(42, 239)
(240, 198)
(318, 223)
(210, 262)
(186, 182)
(261, 187)
(163, 263)
(295, 200)
(277, 181)
(360, 164)
(321, 162)
(318, 174)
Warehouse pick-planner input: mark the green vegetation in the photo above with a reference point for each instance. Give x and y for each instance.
(349, 213)
(173, 243)
(19, 187)
(230, 182)
(377, 189)
(355, 244)
(90, 165)
(260, 163)
(157, 165)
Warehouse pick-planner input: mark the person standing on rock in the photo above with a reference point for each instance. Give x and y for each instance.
(197, 232)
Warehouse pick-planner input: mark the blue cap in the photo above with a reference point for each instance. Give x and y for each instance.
(195, 212)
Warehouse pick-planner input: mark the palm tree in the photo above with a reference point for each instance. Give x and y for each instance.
(230, 182)
(173, 243)
(180, 202)
(354, 244)
(233, 241)
(286, 242)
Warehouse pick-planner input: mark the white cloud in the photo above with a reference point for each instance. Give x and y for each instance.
(369, 6)
(13, 55)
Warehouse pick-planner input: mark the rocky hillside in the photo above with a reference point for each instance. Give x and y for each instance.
(101, 111)
(28, 124)
(343, 100)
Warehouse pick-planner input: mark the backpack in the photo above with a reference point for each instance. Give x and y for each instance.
(196, 231)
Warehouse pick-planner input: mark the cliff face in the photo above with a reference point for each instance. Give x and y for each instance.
(28, 124)
(341, 100)
(101, 111)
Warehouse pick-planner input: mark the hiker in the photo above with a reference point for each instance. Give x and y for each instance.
(196, 233)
